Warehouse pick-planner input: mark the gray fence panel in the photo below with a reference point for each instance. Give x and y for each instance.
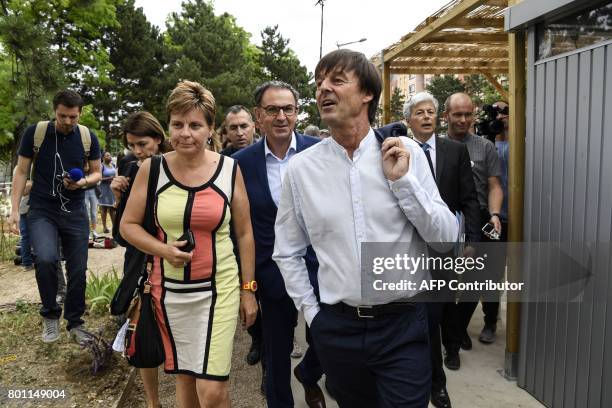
(566, 351)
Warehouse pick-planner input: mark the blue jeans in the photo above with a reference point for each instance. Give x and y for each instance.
(46, 227)
(26, 249)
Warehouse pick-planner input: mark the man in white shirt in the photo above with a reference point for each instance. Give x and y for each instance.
(264, 166)
(345, 191)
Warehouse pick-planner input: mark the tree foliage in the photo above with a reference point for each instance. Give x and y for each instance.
(109, 52)
(279, 62)
(396, 105)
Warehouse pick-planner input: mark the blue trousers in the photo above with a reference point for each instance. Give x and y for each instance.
(382, 362)
(26, 248)
(279, 318)
(46, 227)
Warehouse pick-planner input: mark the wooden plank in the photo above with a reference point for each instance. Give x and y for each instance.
(446, 53)
(455, 64)
(451, 62)
(457, 12)
(516, 175)
(471, 23)
(466, 38)
(493, 81)
(441, 71)
(386, 93)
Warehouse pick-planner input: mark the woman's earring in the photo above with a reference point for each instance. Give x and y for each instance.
(209, 141)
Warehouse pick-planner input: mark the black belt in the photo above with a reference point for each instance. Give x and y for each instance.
(370, 312)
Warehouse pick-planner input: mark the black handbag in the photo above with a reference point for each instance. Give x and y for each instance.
(143, 343)
(134, 272)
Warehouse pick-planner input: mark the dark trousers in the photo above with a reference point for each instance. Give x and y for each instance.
(491, 307)
(381, 362)
(26, 249)
(45, 228)
(279, 318)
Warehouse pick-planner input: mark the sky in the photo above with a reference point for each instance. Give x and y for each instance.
(382, 22)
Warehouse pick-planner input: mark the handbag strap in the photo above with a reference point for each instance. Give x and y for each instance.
(149, 215)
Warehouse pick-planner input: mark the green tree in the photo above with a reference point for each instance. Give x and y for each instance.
(279, 62)
(48, 45)
(30, 73)
(396, 105)
(481, 90)
(135, 51)
(212, 50)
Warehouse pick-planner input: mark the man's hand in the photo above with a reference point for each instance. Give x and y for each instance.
(248, 308)
(396, 158)
(13, 222)
(74, 185)
(496, 224)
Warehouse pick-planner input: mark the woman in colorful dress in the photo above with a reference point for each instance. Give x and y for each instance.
(196, 294)
(107, 199)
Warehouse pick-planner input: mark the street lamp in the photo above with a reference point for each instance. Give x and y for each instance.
(349, 43)
(322, 4)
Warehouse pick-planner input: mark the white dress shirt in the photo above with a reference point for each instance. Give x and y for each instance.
(335, 204)
(276, 168)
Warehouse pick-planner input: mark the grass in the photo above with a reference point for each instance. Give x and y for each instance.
(100, 290)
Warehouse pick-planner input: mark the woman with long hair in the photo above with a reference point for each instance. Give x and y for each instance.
(196, 293)
(144, 136)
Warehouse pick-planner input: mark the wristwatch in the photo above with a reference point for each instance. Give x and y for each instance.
(252, 286)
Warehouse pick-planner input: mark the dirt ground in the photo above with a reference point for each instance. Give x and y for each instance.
(27, 363)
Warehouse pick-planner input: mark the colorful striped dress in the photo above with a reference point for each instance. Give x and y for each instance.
(197, 305)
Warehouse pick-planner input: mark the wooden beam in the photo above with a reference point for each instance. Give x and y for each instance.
(455, 13)
(440, 71)
(386, 77)
(451, 62)
(466, 38)
(517, 80)
(498, 3)
(445, 53)
(500, 89)
(471, 23)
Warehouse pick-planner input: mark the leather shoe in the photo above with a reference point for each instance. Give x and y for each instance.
(313, 395)
(440, 399)
(466, 341)
(254, 354)
(452, 361)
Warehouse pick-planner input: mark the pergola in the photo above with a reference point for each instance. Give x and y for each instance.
(468, 37)
(463, 37)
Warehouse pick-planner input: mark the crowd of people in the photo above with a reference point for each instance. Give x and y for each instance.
(278, 220)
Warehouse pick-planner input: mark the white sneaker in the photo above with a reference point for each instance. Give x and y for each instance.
(50, 330)
(297, 350)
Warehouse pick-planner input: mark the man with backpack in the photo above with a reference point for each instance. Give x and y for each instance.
(57, 151)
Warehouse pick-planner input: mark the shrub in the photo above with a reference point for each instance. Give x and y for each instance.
(100, 290)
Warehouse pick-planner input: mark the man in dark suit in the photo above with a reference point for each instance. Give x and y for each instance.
(449, 163)
(263, 166)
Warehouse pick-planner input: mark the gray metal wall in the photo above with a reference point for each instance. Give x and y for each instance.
(566, 348)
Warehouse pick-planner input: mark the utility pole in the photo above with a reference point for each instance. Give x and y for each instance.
(322, 4)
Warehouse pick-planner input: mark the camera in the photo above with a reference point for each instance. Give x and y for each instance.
(487, 125)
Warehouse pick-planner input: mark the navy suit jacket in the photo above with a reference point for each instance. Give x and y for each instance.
(252, 162)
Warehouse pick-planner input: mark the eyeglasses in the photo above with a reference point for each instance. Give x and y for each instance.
(272, 110)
